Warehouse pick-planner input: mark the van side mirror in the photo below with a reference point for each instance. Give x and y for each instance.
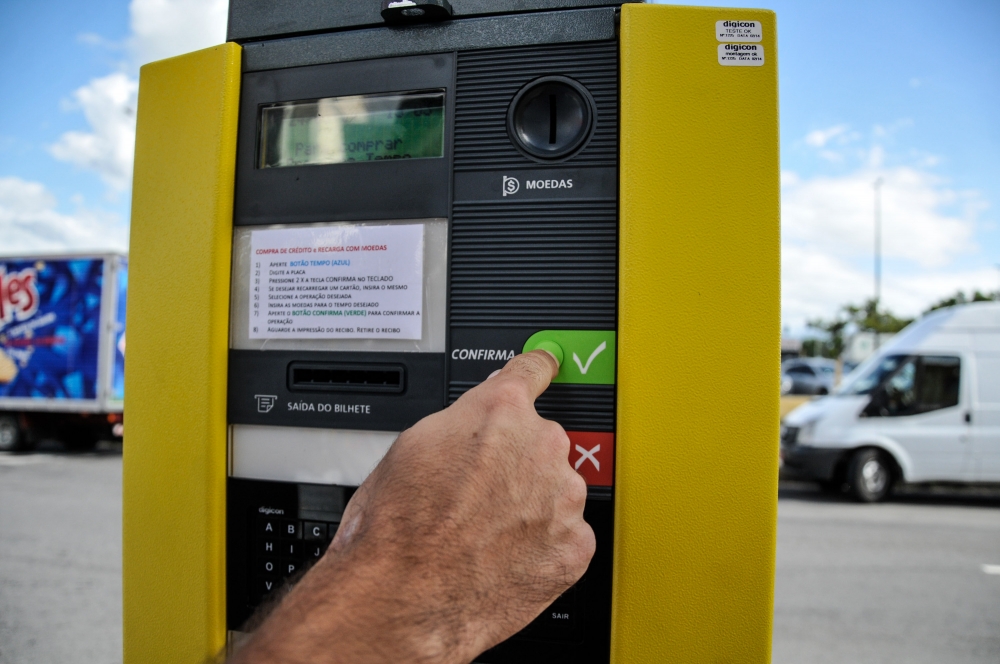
(876, 404)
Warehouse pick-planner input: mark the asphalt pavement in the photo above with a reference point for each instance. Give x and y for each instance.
(60, 558)
(914, 580)
(901, 581)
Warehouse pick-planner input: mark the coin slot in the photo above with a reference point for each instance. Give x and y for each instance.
(551, 118)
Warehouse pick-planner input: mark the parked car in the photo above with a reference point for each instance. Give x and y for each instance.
(924, 408)
(808, 375)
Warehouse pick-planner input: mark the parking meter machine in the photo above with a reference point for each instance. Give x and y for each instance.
(352, 213)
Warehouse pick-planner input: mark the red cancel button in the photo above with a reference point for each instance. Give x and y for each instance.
(592, 454)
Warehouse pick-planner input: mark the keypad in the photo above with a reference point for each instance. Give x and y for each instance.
(283, 548)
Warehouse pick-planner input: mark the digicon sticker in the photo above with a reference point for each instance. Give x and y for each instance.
(510, 185)
(739, 31)
(741, 55)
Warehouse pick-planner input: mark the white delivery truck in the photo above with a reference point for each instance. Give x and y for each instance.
(62, 349)
(924, 408)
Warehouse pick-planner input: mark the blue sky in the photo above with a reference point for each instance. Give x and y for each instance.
(904, 91)
(43, 61)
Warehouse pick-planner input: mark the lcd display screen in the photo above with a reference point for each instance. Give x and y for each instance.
(339, 130)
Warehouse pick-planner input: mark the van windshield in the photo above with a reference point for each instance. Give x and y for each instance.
(867, 382)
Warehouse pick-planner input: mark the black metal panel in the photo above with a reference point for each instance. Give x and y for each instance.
(261, 19)
(582, 25)
(257, 373)
(521, 259)
(543, 264)
(575, 407)
(487, 81)
(387, 189)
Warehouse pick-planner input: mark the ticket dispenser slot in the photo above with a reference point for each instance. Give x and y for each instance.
(323, 377)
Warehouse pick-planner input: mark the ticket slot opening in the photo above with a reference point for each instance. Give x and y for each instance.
(327, 377)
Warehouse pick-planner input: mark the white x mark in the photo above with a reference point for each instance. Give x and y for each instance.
(588, 454)
(585, 367)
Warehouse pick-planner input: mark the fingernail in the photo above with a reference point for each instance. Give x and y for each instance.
(493, 374)
(554, 350)
(552, 355)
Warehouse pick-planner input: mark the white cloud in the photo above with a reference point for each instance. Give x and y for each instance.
(165, 28)
(91, 39)
(30, 223)
(160, 29)
(828, 241)
(836, 214)
(820, 137)
(816, 285)
(109, 104)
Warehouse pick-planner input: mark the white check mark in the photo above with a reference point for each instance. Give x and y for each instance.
(585, 367)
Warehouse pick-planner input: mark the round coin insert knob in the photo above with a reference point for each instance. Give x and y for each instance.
(551, 118)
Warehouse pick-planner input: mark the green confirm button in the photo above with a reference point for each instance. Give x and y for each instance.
(588, 355)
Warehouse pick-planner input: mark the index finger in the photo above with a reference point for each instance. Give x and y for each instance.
(535, 369)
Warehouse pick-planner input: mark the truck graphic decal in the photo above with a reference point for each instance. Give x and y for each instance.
(50, 328)
(18, 295)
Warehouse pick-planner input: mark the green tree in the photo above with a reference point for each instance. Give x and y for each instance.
(961, 298)
(869, 318)
(866, 317)
(833, 345)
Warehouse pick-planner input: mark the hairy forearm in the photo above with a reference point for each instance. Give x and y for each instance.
(357, 607)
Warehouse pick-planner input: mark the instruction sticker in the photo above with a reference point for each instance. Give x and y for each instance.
(739, 31)
(741, 55)
(337, 282)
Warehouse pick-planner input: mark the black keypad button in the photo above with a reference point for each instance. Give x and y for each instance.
(268, 566)
(289, 567)
(314, 530)
(268, 527)
(265, 585)
(331, 530)
(291, 529)
(268, 547)
(291, 549)
(315, 550)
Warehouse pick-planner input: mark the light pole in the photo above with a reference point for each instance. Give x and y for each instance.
(878, 240)
(878, 250)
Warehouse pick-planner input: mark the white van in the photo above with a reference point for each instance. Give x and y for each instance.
(924, 408)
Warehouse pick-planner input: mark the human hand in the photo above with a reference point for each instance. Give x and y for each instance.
(469, 527)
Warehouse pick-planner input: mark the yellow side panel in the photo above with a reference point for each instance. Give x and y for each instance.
(175, 449)
(699, 343)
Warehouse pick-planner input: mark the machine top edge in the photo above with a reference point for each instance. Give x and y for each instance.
(484, 32)
(251, 20)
